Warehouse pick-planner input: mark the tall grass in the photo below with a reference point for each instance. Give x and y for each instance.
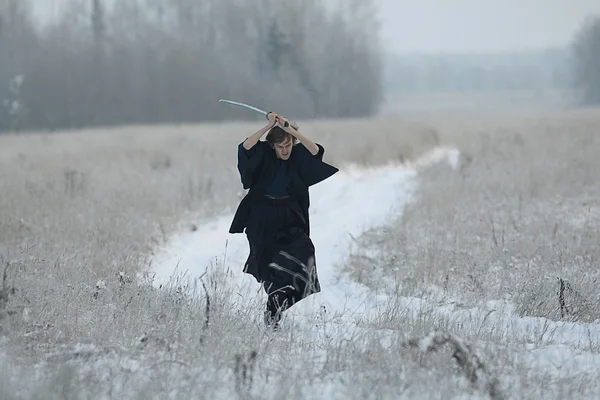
(520, 216)
(81, 213)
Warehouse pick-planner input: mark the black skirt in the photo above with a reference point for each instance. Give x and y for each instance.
(281, 253)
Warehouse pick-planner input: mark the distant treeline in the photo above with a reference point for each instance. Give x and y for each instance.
(169, 61)
(573, 70)
(529, 71)
(586, 61)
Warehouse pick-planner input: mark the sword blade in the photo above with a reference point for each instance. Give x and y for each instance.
(237, 103)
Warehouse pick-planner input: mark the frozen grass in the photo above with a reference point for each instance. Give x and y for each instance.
(522, 215)
(82, 213)
(82, 216)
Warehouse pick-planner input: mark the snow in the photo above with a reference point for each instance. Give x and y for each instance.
(342, 207)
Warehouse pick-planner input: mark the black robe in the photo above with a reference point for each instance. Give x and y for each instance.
(257, 167)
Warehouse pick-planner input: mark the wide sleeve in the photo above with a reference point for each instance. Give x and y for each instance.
(312, 168)
(249, 163)
(319, 155)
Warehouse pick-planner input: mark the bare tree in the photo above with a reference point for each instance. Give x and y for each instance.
(586, 61)
(98, 20)
(17, 41)
(150, 61)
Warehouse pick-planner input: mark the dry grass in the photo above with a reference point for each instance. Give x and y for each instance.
(522, 213)
(106, 196)
(81, 212)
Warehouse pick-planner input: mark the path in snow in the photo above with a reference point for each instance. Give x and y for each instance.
(342, 207)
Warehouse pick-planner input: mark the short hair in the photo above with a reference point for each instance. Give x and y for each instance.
(277, 135)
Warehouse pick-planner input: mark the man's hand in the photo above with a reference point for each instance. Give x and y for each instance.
(308, 143)
(273, 118)
(281, 121)
(251, 141)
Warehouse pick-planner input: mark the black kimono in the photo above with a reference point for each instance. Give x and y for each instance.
(274, 215)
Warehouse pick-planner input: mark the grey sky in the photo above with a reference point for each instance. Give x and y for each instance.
(465, 25)
(481, 25)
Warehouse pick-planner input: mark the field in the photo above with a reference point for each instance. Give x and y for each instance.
(459, 254)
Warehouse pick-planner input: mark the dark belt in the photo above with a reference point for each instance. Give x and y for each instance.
(276, 197)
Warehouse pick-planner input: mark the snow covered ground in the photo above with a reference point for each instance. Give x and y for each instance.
(342, 208)
(346, 342)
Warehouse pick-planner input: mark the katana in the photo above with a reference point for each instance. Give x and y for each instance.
(258, 110)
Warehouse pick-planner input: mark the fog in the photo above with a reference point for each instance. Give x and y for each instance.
(516, 53)
(491, 26)
(457, 26)
(74, 63)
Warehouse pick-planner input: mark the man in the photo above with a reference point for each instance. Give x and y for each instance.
(274, 212)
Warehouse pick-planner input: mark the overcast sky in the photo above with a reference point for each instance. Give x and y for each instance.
(481, 25)
(466, 25)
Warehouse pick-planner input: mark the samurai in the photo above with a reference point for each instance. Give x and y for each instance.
(278, 173)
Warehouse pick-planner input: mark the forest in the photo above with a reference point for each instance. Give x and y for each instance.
(149, 61)
(102, 63)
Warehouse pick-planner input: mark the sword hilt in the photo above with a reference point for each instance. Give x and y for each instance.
(286, 123)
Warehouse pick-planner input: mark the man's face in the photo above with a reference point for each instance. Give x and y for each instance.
(284, 149)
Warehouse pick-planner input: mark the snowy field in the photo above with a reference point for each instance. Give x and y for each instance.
(353, 201)
(458, 259)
